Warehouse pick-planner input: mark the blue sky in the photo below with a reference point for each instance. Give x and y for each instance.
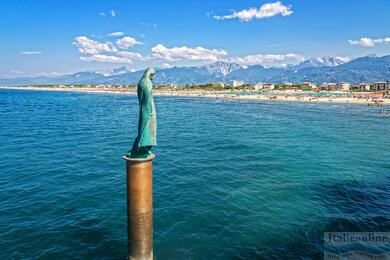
(40, 37)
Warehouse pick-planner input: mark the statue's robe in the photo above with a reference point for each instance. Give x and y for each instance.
(147, 117)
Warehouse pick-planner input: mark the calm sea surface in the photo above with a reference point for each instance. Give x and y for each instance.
(232, 179)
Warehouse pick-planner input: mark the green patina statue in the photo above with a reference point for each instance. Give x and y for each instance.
(147, 118)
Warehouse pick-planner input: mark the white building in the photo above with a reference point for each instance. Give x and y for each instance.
(364, 87)
(237, 83)
(308, 85)
(344, 86)
(329, 86)
(172, 85)
(380, 86)
(260, 85)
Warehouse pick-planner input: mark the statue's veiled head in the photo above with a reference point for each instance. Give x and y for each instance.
(149, 73)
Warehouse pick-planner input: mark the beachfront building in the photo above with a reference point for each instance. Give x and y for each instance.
(258, 86)
(362, 87)
(261, 85)
(269, 86)
(171, 85)
(329, 87)
(380, 86)
(308, 85)
(344, 86)
(237, 83)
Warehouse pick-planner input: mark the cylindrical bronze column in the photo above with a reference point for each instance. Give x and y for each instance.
(139, 208)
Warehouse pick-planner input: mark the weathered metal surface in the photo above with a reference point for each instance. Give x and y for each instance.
(147, 122)
(139, 208)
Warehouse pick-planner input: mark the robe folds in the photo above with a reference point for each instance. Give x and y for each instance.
(147, 128)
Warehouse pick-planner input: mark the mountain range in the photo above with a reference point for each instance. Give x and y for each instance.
(325, 69)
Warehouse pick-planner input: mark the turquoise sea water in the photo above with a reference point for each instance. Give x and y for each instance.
(232, 179)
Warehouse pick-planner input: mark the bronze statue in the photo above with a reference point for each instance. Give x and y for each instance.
(147, 128)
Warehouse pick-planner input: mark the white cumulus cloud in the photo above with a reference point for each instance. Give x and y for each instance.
(131, 55)
(369, 42)
(116, 34)
(111, 13)
(265, 11)
(106, 58)
(30, 52)
(267, 59)
(16, 72)
(185, 53)
(108, 52)
(89, 46)
(126, 42)
(166, 65)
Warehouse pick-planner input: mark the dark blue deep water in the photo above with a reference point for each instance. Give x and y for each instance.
(232, 179)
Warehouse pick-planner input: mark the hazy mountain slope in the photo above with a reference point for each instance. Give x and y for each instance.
(318, 70)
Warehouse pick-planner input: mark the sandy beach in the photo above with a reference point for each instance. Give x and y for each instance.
(353, 98)
(281, 97)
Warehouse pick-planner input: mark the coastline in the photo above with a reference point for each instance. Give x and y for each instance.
(234, 96)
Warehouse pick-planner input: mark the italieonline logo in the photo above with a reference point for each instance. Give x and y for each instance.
(357, 245)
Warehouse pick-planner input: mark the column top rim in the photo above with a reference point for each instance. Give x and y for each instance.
(139, 159)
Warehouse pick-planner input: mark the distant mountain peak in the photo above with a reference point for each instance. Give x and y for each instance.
(116, 71)
(317, 62)
(371, 55)
(325, 61)
(222, 68)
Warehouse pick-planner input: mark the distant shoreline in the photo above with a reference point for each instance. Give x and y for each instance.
(279, 96)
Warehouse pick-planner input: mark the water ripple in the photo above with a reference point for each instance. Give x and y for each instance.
(232, 179)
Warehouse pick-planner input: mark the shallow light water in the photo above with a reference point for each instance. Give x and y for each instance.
(232, 179)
